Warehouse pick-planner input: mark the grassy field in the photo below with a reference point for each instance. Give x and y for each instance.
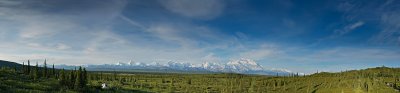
(373, 80)
(364, 81)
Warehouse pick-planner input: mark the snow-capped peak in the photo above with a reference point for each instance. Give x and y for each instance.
(213, 66)
(242, 65)
(242, 61)
(131, 62)
(120, 64)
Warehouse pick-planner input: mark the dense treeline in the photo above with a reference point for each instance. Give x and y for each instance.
(69, 79)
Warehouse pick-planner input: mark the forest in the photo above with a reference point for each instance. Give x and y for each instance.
(25, 78)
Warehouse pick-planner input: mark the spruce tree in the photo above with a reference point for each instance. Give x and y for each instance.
(53, 72)
(29, 67)
(115, 75)
(23, 68)
(78, 80)
(85, 77)
(36, 72)
(15, 68)
(44, 69)
(71, 79)
(62, 77)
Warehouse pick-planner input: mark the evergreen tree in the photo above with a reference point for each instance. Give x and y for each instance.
(115, 75)
(15, 68)
(44, 69)
(78, 80)
(36, 72)
(29, 67)
(62, 77)
(23, 68)
(71, 79)
(85, 77)
(53, 71)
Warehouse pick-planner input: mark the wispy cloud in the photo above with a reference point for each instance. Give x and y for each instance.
(36, 31)
(384, 12)
(264, 51)
(348, 28)
(390, 33)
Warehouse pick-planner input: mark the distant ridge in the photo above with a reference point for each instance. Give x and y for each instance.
(4, 63)
(241, 66)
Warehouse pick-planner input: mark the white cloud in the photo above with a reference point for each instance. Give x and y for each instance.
(263, 52)
(130, 21)
(341, 31)
(201, 9)
(211, 58)
(34, 44)
(39, 28)
(64, 36)
(187, 35)
(62, 46)
(355, 25)
(348, 28)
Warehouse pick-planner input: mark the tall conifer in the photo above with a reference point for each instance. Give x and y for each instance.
(53, 71)
(78, 80)
(85, 77)
(44, 69)
(29, 67)
(36, 72)
(62, 77)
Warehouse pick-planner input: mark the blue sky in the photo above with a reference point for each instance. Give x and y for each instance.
(300, 36)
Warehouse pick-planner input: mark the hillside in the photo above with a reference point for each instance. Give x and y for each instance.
(9, 64)
(11, 82)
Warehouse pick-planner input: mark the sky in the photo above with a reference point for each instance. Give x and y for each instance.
(298, 35)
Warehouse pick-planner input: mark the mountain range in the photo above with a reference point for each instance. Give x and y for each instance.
(242, 66)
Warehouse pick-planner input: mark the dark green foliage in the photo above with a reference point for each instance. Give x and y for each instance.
(44, 69)
(29, 68)
(11, 82)
(53, 71)
(84, 75)
(62, 78)
(9, 64)
(35, 74)
(15, 68)
(78, 79)
(23, 68)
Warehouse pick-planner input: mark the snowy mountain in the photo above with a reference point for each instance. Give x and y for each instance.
(244, 66)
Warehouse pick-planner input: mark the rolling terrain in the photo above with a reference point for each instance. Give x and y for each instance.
(371, 80)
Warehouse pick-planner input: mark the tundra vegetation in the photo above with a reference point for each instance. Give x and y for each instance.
(24, 78)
